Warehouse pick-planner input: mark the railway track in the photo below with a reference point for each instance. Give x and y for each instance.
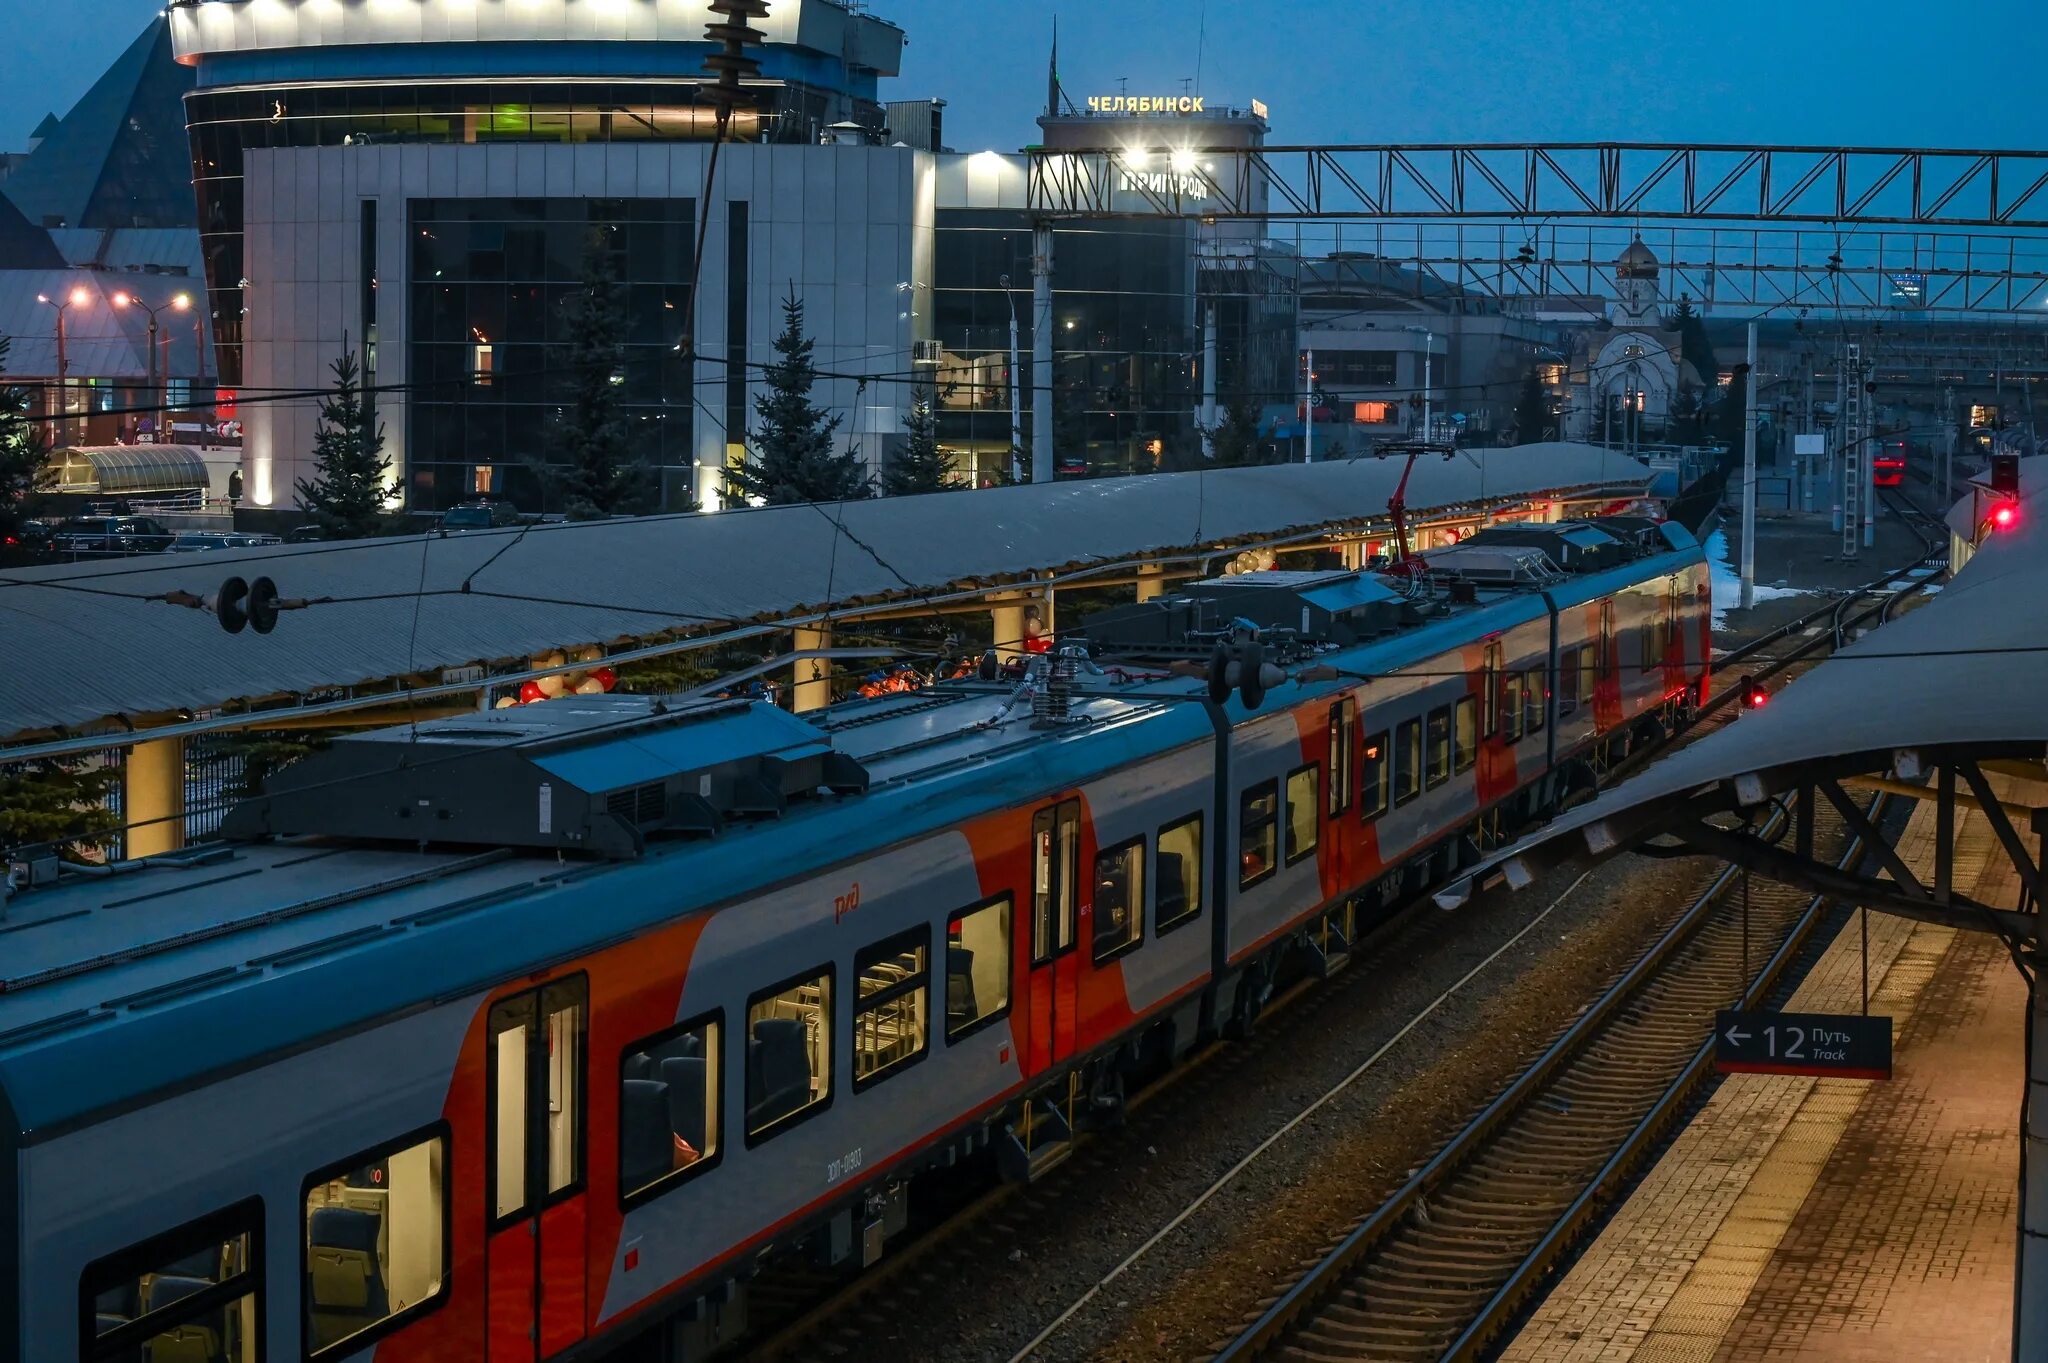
(801, 1310)
(1441, 1267)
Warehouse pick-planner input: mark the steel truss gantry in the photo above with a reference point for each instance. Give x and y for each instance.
(1843, 186)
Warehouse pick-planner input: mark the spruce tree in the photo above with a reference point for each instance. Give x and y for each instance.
(790, 457)
(346, 495)
(22, 447)
(595, 474)
(1235, 440)
(1693, 346)
(57, 804)
(1532, 409)
(1729, 413)
(919, 466)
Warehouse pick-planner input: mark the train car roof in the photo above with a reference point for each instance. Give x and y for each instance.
(198, 963)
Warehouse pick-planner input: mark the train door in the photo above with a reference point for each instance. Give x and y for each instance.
(536, 1251)
(1339, 835)
(1055, 965)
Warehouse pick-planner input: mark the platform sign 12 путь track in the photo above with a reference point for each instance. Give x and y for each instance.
(1833, 1045)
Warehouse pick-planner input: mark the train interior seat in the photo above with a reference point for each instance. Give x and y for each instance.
(778, 1071)
(647, 1150)
(193, 1342)
(1172, 899)
(687, 1079)
(960, 1009)
(639, 1065)
(345, 1275)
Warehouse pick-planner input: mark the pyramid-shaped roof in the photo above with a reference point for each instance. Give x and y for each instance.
(44, 128)
(119, 158)
(23, 245)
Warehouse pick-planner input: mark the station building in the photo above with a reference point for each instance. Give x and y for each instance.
(420, 183)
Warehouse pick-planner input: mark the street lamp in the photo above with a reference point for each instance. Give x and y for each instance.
(177, 303)
(77, 298)
(1428, 360)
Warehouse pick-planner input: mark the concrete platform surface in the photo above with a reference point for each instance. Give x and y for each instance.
(1834, 1221)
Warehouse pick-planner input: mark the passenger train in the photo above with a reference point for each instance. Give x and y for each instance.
(514, 1036)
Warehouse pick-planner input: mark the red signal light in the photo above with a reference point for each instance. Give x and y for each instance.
(2004, 516)
(1758, 697)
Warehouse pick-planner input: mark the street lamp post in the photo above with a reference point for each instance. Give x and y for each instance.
(77, 298)
(177, 303)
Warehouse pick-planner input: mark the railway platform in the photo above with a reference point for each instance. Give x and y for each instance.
(1833, 1220)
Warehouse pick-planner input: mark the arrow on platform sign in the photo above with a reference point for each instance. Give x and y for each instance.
(1736, 1036)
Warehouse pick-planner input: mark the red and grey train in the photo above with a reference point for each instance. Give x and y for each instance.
(517, 1035)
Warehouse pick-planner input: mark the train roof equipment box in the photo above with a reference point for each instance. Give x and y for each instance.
(1295, 611)
(595, 774)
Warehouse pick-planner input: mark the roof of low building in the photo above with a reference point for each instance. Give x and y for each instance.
(401, 606)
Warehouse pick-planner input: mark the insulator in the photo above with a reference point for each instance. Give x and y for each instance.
(730, 29)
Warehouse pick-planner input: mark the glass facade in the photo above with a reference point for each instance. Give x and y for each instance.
(493, 287)
(224, 123)
(1125, 347)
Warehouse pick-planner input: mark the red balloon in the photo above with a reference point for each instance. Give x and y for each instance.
(605, 677)
(530, 692)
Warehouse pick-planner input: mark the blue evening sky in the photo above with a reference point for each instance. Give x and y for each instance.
(1953, 73)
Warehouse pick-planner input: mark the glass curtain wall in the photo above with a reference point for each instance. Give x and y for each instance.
(494, 283)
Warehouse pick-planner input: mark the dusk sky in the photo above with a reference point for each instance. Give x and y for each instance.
(1873, 74)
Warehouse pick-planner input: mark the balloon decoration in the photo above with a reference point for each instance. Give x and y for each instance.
(576, 682)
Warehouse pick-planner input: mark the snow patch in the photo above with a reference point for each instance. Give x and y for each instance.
(1727, 582)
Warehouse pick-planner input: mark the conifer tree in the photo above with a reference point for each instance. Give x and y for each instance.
(919, 466)
(346, 494)
(58, 804)
(21, 449)
(790, 457)
(595, 474)
(1693, 345)
(1236, 441)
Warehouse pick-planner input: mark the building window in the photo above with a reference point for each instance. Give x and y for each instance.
(376, 1234)
(481, 363)
(1303, 801)
(1407, 760)
(1119, 899)
(1356, 368)
(891, 1021)
(789, 1053)
(188, 1293)
(977, 966)
(1258, 817)
(1375, 413)
(1178, 863)
(668, 1106)
(1438, 749)
(1373, 770)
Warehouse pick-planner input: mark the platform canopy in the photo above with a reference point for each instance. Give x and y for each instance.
(126, 470)
(414, 605)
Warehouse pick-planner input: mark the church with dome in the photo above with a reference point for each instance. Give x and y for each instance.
(1632, 360)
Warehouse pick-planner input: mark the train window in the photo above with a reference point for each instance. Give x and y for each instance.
(1437, 747)
(1606, 655)
(977, 966)
(188, 1293)
(376, 1242)
(1407, 760)
(891, 1017)
(1343, 745)
(1119, 899)
(1258, 816)
(668, 1106)
(789, 1053)
(1304, 808)
(1489, 691)
(1464, 733)
(1511, 707)
(1372, 778)
(1591, 668)
(1533, 700)
(1056, 865)
(1177, 867)
(1567, 681)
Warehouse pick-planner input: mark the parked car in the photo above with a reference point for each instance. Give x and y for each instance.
(199, 541)
(32, 535)
(479, 516)
(112, 535)
(306, 534)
